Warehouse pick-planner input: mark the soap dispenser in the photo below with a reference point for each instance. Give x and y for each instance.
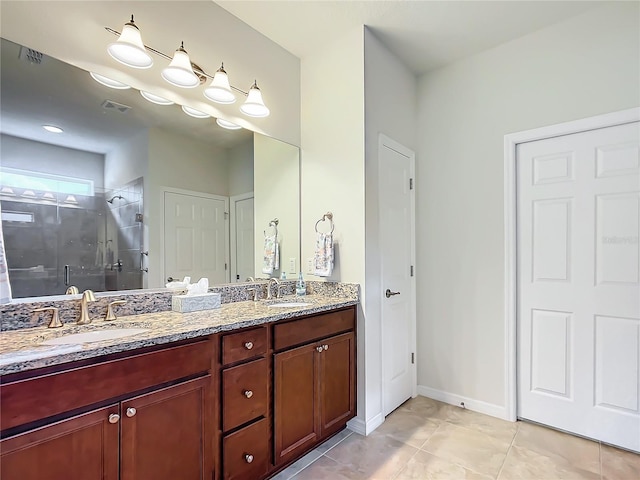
(301, 286)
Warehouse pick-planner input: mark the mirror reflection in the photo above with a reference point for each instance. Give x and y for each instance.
(132, 193)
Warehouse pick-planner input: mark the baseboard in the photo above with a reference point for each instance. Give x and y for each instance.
(361, 427)
(469, 403)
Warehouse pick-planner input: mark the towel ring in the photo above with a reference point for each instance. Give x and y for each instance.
(273, 223)
(326, 216)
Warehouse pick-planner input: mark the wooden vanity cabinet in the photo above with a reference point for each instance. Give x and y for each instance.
(314, 383)
(161, 433)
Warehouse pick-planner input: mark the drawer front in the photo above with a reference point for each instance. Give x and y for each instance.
(313, 328)
(246, 452)
(36, 398)
(244, 393)
(244, 345)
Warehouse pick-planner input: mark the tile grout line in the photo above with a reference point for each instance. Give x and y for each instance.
(508, 450)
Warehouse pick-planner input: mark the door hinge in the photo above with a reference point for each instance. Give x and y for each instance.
(413, 358)
(225, 266)
(412, 270)
(226, 215)
(411, 184)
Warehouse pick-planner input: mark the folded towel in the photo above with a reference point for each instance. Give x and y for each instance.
(271, 259)
(323, 256)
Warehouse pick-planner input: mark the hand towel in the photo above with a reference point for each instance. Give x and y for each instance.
(323, 256)
(271, 259)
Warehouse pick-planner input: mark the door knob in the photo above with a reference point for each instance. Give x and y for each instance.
(319, 349)
(113, 418)
(248, 345)
(248, 393)
(131, 412)
(248, 458)
(390, 294)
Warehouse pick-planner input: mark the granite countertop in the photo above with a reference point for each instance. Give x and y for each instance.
(21, 350)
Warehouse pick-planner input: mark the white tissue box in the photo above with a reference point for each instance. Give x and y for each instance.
(195, 303)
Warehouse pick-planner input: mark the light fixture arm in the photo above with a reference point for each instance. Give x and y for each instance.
(198, 70)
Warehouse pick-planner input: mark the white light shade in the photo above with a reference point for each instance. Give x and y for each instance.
(254, 105)
(129, 49)
(108, 82)
(153, 98)
(52, 129)
(192, 112)
(227, 124)
(71, 199)
(219, 90)
(179, 72)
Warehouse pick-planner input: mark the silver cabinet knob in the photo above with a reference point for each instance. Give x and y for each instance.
(319, 349)
(248, 393)
(325, 346)
(248, 345)
(113, 418)
(248, 458)
(131, 412)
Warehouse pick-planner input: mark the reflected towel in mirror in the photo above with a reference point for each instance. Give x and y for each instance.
(271, 260)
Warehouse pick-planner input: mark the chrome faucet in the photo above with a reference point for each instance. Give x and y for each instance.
(276, 282)
(87, 296)
(250, 279)
(72, 290)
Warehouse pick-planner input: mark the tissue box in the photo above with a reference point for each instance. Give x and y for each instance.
(195, 303)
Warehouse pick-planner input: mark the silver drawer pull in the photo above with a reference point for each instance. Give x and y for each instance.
(113, 418)
(248, 393)
(319, 349)
(131, 412)
(248, 345)
(248, 458)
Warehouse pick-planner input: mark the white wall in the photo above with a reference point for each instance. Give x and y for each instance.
(27, 154)
(332, 121)
(241, 175)
(395, 115)
(582, 67)
(128, 161)
(277, 193)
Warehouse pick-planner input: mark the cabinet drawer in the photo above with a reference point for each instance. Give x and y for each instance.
(40, 397)
(246, 452)
(244, 393)
(244, 345)
(313, 328)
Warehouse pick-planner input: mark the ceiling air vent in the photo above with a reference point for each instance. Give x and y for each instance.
(30, 55)
(119, 107)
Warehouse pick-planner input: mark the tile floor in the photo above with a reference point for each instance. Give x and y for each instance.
(425, 439)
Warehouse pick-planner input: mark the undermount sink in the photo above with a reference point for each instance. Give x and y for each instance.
(95, 336)
(289, 304)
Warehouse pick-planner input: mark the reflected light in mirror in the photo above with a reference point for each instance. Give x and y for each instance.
(109, 82)
(129, 49)
(52, 129)
(153, 98)
(227, 124)
(192, 112)
(179, 71)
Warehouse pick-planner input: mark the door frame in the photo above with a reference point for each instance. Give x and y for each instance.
(511, 142)
(211, 196)
(232, 229)
(386, 142)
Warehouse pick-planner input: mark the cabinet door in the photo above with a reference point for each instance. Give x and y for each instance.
(80, 448)
(295, 420)
(246, 452)
(336, 382)
(167, 434)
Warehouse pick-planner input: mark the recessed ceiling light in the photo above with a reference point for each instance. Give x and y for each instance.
(108, 82)
(155, 98)
(52, 129)
(227, 124)
(192, 112)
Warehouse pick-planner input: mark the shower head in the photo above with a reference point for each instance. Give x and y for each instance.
(114, 197)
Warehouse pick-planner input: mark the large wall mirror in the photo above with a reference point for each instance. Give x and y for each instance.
(132, 192)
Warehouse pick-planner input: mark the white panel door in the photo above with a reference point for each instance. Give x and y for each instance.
(195, 237)
(242, 238)
(396, 250)
(579, 283)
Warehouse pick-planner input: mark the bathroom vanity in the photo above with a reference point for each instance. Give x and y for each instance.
(195, 398)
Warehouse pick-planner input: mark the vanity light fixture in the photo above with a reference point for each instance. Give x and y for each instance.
(179, 72)
(254, 105)
(71, 199)
(8, 191)
(227, 124)
(219, 90)
(183, 73)
(129, 49)
(49, 196)
(29, 194)
(109, 82)
(52, 128)
(192, 112)
(157, 99)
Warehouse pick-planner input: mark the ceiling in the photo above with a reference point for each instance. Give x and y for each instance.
(424, 34)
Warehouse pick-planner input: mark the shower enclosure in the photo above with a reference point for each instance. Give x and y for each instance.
(54, 240)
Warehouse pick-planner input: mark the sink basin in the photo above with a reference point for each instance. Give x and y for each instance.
(289, 305)
(95, 336)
